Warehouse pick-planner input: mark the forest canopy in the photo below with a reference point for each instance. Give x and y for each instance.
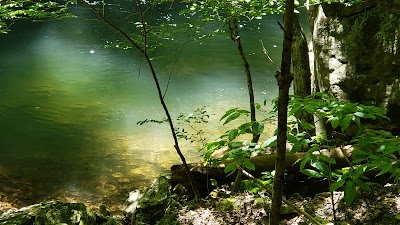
(11, 11)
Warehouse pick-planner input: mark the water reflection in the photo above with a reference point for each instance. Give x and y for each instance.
(69, 108)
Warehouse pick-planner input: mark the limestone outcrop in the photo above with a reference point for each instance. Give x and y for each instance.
(357, 52)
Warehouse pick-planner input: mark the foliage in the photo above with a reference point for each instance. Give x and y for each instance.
(380, 150)
(185, 121)
(256, 127)
(375, 149)
(187, 125)
(345, 2)
(239, 153)
(223, 11)
(202, 12)
(152, 121)
(225, 205)
(340, 116)
(11, 10)
(253, 187)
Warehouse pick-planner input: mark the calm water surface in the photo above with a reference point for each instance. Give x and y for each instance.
(69, 107)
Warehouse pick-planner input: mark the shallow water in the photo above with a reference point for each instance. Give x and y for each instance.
(69, 107)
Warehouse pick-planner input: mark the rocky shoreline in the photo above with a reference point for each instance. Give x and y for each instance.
(166, 202)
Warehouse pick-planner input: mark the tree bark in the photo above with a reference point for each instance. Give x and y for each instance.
(301, 69)
(284, 79)
(233, 28)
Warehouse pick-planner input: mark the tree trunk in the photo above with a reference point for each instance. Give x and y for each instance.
(301, 69)
(284, 79)
(233, 28)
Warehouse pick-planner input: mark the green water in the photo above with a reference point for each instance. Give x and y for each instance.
(69, 107)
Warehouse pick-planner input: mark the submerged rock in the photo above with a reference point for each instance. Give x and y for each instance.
(55, 212)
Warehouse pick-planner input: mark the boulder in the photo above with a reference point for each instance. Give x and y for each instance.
(356, 52)
(149, 206)
(55, 212)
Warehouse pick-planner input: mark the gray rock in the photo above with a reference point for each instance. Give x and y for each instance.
(356, 52)
(55, 212)
(148, 206)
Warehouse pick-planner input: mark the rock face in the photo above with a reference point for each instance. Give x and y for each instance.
(55, 213)
(357, 52)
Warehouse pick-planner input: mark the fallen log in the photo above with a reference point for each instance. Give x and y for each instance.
(203, 174)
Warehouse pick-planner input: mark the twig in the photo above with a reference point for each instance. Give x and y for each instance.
(250, 20)
(123, 33)
(173, 67)
(267, 54)
(332, 193)
(284, 31)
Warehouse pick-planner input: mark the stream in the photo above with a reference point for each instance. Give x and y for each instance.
(69, 107)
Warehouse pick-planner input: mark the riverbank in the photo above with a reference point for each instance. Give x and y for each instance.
(163, 203)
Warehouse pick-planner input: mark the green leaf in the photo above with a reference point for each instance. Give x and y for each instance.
(233, 116)
(235, 144)
(270, 142)
(312, 173)
(313, 149)
(357, 161)
(258, 127)
(359, 114)
(384, 169)
(336, 185)
(349, 192)
(307, 126)
(297, 161)
(370, 116)
(227, 113)
(296, 111)
(345, 122)
(291, 138)
(233, 134)
(213, 182)
(231, 167)
(311, 108)
(327, 159)
(296, 148)
(359, 152)
(304, 162)
(242, 111)
(357, 121)
(321, 167)
(360, 170)
(335, 122)
(362, 184)
(245, 128)
(249, 165)
(208, 154)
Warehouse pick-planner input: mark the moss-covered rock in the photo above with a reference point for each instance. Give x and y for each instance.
(151, 205)
(55, 212)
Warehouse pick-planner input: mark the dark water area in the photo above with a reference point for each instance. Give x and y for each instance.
(69, 107)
